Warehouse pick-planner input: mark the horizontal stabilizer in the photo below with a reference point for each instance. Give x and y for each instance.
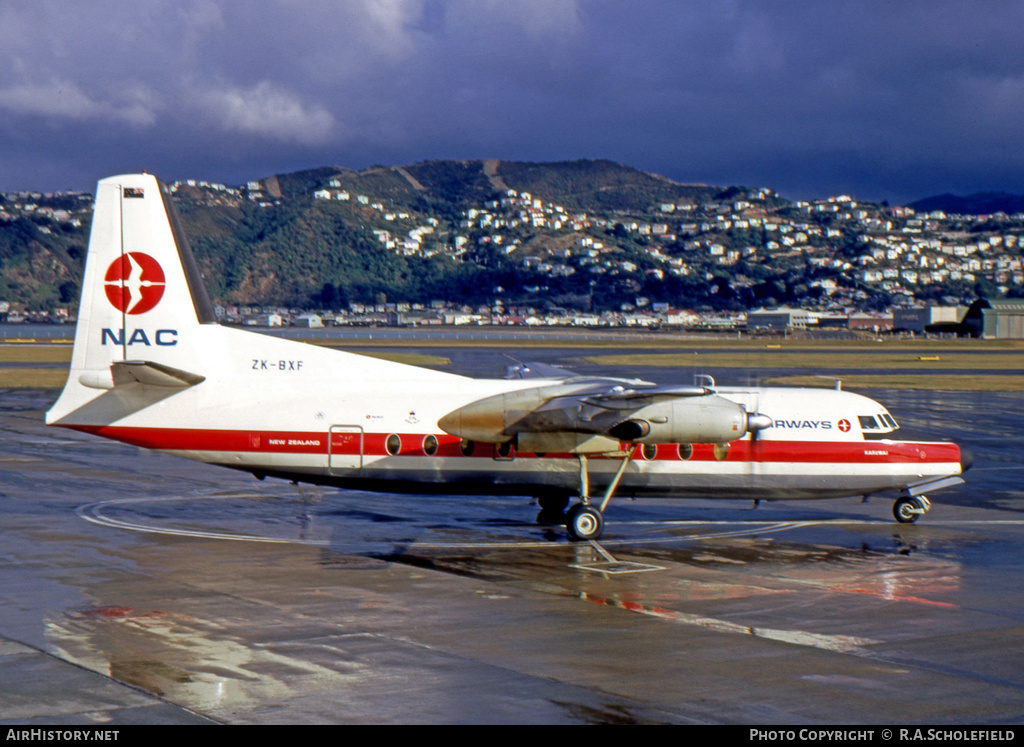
(152, 374)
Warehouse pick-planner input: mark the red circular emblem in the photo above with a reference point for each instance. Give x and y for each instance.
(844, 425)
(134, 283)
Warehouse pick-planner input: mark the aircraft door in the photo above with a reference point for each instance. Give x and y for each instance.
(345, 448)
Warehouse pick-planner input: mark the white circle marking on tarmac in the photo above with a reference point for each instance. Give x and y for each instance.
(94, 513)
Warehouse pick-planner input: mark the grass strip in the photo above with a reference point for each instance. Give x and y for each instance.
(411, 359)
(818, 360)
(35, 353)
(946, 382)
(32, 378)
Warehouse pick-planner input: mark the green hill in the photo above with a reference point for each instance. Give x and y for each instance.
(304, 252)
(599, 186)
(41, 261)
(322, 237)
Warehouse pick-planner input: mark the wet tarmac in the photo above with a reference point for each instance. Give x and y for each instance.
(141, 588)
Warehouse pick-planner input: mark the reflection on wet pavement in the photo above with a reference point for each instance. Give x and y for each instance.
(138, 587)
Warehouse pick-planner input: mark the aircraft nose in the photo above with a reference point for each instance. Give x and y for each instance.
(966, 459)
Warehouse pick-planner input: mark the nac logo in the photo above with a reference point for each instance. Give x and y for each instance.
(134, 283)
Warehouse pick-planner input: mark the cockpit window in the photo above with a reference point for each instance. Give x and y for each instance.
(868, 422)
(878, 427)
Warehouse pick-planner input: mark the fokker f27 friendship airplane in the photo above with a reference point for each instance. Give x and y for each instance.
(151, 367)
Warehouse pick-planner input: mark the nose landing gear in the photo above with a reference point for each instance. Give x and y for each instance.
(909, 509)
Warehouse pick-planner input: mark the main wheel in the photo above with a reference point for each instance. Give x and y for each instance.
(907, 510)
(584, 522)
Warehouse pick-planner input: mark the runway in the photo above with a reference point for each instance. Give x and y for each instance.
(140, 588)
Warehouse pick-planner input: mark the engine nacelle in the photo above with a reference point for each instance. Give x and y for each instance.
(700, 420)
(492, 419)
(705, 418)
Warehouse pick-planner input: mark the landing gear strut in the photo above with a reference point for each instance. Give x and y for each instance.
(909, 509)
(585, 522)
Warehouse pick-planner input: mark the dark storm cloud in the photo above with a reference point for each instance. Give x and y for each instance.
(882, 100)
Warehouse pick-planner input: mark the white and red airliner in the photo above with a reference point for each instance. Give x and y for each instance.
(152, 367)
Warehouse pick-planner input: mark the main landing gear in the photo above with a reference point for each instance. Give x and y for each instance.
(909, 509)
(584, 521)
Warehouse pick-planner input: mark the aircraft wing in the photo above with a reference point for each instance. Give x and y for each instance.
(548, 371)
(641, 412)
(597, 409)
(537, 371)
(619, 398)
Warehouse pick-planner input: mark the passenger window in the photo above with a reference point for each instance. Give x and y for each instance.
(393, 445)
(429, 445)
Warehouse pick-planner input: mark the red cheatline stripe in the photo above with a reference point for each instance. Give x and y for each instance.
(412, 444)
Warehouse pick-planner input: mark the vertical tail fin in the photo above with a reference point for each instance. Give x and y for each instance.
(141, 288)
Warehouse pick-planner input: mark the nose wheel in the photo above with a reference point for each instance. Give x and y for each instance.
(908, 509)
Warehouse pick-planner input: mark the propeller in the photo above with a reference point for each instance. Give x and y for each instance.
(756, 422)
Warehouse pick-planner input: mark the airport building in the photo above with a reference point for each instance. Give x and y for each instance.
(778, 320)
(996, 318)
(928, 318)
(871, 322)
